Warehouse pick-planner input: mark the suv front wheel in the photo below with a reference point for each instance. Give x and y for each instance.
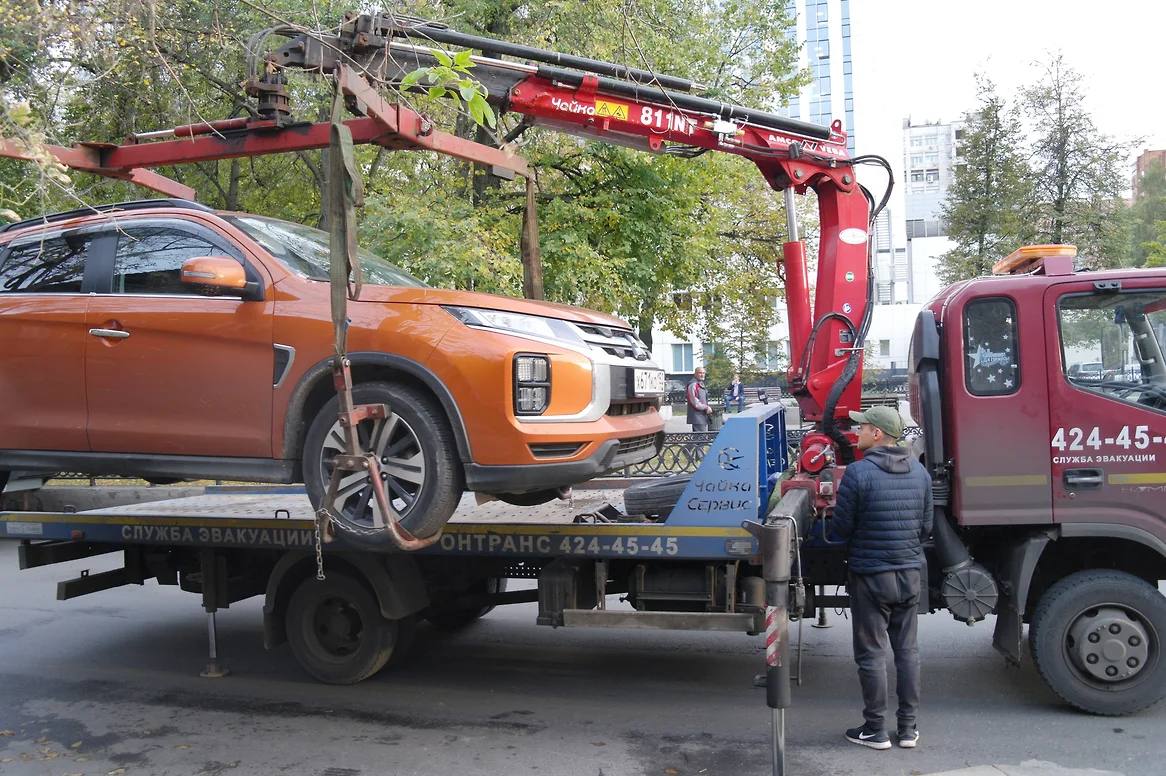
(417, 453)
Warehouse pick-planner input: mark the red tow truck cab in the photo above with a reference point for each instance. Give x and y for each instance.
(1041, 393)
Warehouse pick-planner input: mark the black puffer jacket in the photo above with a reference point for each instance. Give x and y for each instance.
(883, 511)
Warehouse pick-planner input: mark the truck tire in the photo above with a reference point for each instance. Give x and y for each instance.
(452, 618)
(336, 630)
(655, 497)
(1097, 639)
(424, 474)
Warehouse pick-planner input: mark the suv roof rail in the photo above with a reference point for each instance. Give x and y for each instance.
(137, 204)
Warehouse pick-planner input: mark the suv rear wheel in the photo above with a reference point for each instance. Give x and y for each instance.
(422, 475)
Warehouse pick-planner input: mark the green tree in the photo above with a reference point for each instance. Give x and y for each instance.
(986, 206)
(739, 313)
(1148, 211)
(1154, 251)
(1078, 172)
(621, 230)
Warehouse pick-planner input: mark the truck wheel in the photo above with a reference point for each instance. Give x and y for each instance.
(1096, 639)
(336, 630)
(417, 451)
(451, 619)
(655, 497)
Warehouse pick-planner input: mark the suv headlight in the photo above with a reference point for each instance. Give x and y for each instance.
(532, 384)
(533, 326)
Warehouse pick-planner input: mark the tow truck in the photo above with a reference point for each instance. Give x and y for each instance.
(1047, 490)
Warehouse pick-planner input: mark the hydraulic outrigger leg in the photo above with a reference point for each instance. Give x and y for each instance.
(774, 538)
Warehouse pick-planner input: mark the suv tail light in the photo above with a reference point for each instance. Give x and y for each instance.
(532, 384)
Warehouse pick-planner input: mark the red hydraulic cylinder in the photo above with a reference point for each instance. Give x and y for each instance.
(797, 302)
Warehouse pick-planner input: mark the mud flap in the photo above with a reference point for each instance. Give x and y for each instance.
(1019, 562)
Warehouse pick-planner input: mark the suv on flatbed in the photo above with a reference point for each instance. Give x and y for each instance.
(166, 340)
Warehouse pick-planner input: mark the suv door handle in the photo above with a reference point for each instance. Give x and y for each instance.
(109, 333)
(1083, 479)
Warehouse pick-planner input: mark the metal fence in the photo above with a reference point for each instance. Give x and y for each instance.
(683, 452)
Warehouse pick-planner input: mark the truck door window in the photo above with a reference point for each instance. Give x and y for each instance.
(990, 348)
(55, 265)
(1111, 343)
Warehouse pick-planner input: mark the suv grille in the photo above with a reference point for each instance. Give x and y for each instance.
(636, 444)
(615, 342)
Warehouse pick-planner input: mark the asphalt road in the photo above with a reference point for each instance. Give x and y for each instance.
(108, 684)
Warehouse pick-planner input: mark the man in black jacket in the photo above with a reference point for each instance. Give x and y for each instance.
(884, 513)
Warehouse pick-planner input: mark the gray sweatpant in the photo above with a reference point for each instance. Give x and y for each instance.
(884, 611)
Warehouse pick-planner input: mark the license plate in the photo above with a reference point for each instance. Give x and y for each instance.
(647, 382)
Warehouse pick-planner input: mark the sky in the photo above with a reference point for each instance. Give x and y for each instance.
(919, 58)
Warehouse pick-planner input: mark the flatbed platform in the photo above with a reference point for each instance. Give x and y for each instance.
(284, 520)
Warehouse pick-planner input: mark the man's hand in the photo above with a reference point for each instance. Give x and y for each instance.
(708, 410)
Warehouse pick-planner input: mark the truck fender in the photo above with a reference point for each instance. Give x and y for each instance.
(1018, 564)
(1114, 531)
(395, 580)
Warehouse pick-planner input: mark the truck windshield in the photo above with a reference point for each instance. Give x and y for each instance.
(304, 250)
(1112, 344)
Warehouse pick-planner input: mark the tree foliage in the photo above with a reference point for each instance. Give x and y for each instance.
(1054, 178)
(621, 230)
(1078, 171)
(1148, 218)
(987, 204)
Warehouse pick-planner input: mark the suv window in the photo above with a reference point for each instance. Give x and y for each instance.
(990, 348)
(149, 259)
(54, 265)
(1112, 344)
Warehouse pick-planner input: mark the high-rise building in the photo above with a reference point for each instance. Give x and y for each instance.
(823, 27)
(931, 156)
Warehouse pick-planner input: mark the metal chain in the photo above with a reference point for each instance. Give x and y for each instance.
(321, 516)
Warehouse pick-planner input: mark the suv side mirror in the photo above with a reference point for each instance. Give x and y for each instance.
(220, 272)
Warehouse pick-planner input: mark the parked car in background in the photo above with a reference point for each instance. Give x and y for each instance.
(165, 340)
(1088, 372)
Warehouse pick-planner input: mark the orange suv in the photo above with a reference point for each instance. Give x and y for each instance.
(166, 340)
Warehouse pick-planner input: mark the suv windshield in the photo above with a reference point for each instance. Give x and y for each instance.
(304, 250)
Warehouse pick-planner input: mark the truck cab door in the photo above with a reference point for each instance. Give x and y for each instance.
(1107, 401)
(997, 411)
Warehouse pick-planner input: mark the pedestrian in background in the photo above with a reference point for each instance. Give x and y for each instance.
(884, 512)
(697, 396)
(736, 394)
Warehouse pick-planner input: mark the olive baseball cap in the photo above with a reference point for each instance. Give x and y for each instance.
(883, 418)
